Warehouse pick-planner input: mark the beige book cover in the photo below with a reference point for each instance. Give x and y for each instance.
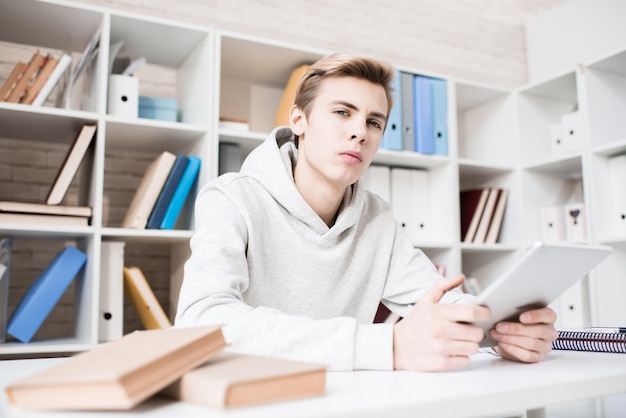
(289, 95)
(38, 219)
(148, 192)
(71, 164)
(234, 380)
(120, 374)
(142, 297)
(44, 209)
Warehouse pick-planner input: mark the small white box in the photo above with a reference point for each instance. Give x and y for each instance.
(572, 127)
(123, 96)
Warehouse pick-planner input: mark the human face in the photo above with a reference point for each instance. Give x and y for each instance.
(343, 131)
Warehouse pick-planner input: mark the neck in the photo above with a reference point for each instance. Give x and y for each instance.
(324, 199)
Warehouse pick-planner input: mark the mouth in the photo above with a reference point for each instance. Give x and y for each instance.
(352, 156)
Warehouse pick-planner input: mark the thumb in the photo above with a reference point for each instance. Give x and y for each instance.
(439, 288)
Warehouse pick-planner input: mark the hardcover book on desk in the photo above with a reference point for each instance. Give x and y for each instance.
(120, 374)
(234, 380)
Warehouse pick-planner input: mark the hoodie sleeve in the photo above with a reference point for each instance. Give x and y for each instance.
(216, 277)
(411, 274)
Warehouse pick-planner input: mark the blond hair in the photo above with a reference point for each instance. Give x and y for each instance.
(343, 65)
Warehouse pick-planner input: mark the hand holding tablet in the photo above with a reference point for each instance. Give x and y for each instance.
(536, 279)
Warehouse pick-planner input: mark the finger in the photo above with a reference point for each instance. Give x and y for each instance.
(538, 316)
(440, 287)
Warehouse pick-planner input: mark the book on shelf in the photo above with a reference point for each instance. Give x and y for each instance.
(44, 209)
(289, 95)
(392, 138)
(148, 191)
(495, 226)
(59, 70)
(11, 80)
(553, 223)
(143, 299)
(407, 116)
(6, 245)
(43, 219)
(40, 79)
(609, 341)
(440, 115)
(111, 295)
(120, 374)
(167, 192)
(230, 380)
(472, 204)
(485, 217)
(70, 166)
(181, 193)
(44, 293)
(423, 115)
(21, 86)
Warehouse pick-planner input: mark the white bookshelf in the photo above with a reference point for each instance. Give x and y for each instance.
(496, 138)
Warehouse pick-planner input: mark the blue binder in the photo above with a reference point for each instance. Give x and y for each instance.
(424, 140)
(181, 193)
(440, 115)
(392, 139)
(165, 197)
(44, 293)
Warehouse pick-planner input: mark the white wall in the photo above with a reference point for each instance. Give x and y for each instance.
(473, 40)
(573, 32)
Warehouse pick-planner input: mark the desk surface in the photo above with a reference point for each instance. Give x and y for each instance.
(490, 386)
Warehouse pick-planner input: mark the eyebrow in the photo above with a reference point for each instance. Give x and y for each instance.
(351, 106)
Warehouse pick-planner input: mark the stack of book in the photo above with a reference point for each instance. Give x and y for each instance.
(162, 192)
(482, 213)
(32, 82)
(181, 363)
(52, 211)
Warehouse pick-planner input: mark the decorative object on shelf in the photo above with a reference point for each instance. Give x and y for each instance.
(158, 108)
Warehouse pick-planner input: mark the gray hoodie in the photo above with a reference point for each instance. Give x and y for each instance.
(283, 283)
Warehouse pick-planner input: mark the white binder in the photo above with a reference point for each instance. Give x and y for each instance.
(377, 179)
(111, 309)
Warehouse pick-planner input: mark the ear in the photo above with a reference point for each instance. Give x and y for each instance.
(297, 120)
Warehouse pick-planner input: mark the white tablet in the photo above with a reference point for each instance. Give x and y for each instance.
(536, 279)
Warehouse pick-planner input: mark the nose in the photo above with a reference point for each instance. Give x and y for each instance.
(359, 132)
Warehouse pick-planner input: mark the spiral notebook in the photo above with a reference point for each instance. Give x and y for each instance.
(585, 340)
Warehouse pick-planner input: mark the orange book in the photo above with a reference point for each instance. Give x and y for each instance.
(231, 380)
(40, 80)
(22, 84)
(142, 297)
(11, 80)
(119, 374)
(289, 95)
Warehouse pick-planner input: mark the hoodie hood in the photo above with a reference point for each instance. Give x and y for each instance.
(271, 164)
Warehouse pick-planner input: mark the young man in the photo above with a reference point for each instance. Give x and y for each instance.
(293, 256)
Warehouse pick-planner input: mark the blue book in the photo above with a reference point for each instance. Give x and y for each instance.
(182, 191)
(392, 139)
(440, 115)
(423, 119)
(44, 293)
(165, 197)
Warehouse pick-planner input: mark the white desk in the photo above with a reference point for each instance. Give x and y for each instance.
(489, 387)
